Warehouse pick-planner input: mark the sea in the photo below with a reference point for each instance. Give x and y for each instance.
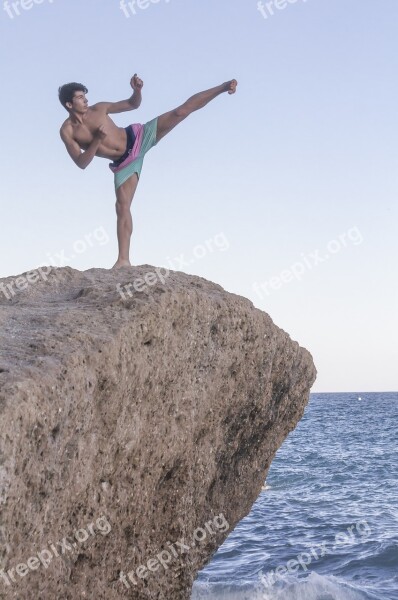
(325, 526)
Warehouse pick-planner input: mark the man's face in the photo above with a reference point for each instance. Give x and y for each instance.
(79, 103)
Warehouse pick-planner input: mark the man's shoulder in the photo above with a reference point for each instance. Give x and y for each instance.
(99, 107)
(66, 127)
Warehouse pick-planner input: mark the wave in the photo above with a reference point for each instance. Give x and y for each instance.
(313, 587)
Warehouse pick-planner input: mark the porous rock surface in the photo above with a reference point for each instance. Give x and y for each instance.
(158, 412)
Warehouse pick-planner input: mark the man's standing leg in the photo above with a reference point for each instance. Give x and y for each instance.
(124, 196)
(170, 119)
(165, 123)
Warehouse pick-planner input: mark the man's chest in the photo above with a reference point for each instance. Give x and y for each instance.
(83, 132)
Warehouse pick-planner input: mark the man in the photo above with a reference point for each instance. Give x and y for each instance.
(89, 132)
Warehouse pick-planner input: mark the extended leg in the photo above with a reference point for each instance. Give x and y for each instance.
(170, 119)
(124, 196)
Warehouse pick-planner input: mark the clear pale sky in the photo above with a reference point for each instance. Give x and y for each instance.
(257, 188)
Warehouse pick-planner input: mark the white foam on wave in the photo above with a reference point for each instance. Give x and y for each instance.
(314, 587)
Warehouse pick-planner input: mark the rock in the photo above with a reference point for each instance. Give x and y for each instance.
(137, 428)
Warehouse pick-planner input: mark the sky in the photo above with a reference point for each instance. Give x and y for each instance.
(284, 193)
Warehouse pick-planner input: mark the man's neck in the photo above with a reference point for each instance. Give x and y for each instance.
(76, 118)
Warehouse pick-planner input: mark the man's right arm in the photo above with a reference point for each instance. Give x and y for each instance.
(82, 159)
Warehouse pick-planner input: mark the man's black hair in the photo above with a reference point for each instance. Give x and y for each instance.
(67, 91)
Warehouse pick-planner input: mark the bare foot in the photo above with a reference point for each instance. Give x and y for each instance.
(231, 86)
(121, 263)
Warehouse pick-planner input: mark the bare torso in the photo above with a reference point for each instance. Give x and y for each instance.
(112, 147)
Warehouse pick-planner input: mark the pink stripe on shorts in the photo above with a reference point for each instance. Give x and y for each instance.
(138, 133)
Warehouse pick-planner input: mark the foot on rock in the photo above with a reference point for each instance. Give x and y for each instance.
(121, 263)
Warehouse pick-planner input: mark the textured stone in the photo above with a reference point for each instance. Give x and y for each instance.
(158, 412)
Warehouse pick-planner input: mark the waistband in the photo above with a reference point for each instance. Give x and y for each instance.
(129, 146)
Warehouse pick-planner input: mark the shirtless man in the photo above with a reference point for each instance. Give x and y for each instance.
(89, 131)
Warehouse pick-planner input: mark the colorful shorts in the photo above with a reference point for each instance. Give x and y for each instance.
(143, 139)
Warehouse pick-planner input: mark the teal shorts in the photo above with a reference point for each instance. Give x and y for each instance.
(148, 141)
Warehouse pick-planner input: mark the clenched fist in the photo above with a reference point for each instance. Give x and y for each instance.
(136, 83)
(100, 134)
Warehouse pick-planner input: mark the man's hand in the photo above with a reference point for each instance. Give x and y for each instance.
(124, 105)
(82, 159)
(136, 83)
(100, 134)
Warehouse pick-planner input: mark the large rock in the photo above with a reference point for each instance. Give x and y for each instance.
(137, 428)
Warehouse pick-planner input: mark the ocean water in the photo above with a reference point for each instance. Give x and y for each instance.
(328, 518)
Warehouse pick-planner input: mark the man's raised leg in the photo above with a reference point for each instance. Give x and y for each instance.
(170, 119)
(124, 196)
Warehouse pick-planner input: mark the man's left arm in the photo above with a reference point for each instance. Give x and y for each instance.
(125, 105)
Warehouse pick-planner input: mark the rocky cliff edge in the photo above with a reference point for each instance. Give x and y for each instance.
(139, 413)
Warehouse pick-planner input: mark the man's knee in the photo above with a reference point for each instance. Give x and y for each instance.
(121, 203)
(181, 112)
